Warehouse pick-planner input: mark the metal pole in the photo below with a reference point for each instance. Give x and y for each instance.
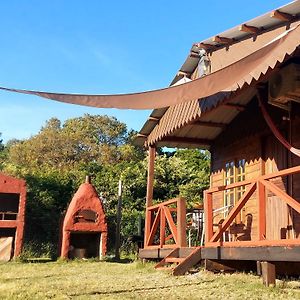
(118, 227)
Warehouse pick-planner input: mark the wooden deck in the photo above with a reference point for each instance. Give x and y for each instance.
(286, 253)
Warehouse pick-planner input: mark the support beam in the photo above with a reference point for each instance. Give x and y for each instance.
(182, 73)
(249, 29)
(238, 107)
(210, 124)
(281, 16)
(150, 178)
(181, 222)
(153, 119)
(261, 190)
(186, 140)
(252, 252)
(149, 195)
(205, 46)
(162, 229)
(268, 273)
(222, 40)
(194, 54)
(208, 215)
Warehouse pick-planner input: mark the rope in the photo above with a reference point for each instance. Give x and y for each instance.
(274, 129)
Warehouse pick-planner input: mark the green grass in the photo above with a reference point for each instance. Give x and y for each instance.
(108, 280)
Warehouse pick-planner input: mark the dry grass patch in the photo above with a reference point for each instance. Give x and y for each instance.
(104, 280)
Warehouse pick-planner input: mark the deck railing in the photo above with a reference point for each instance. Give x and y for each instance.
(261, 185)
(166, 224)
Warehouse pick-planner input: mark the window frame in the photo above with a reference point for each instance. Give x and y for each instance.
(237, 173)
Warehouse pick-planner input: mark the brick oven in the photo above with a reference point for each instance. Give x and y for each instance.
(12, 216)
(84, 230)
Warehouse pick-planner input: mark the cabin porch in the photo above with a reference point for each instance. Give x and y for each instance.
(227, 241)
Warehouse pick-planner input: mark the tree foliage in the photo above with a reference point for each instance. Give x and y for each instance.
(55, 161)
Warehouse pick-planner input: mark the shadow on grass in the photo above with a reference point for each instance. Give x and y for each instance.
(37, 260)
(26, 278)
(120, 261)
(144, 289)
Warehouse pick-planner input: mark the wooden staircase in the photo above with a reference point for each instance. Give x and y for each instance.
(180, 261)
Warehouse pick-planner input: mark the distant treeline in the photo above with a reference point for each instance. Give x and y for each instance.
(56, 160)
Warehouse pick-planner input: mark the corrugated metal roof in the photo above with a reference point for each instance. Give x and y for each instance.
(185, 113)
(264, 23)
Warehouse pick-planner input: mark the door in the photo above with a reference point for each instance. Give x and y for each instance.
(277, 214)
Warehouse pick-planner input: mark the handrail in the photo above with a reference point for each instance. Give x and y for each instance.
(285, 172)
(159, 217)
(168, 202)
(261, 184)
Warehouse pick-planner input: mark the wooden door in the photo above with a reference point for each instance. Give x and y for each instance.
(275, 157)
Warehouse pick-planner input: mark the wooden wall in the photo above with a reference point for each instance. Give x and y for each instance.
(249, 138)
(295, 161)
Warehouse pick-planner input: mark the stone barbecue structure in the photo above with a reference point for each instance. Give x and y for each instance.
(84, 230)
(12, 216)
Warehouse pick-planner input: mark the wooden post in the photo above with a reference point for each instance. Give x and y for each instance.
(162, 228)
(208, 216)
(118, 228)
(261, 192)
(258, 268)
(181, 222)
(268, 273)
(150, 178)
(149, 195)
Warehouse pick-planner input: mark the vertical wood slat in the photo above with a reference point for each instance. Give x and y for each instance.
(208, 215)
(261, 190)
(171, 223)
(153, 228)
(162, 229)
(181, 222)
(149, 195)
(148, 221)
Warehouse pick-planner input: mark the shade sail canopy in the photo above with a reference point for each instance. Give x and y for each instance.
(231, 78)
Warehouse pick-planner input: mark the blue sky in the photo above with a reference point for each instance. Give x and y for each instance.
(100, 47)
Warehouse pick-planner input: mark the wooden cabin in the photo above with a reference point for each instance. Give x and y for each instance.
(252, 130)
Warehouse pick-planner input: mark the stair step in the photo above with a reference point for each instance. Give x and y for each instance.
(174, 259)
(188, 263)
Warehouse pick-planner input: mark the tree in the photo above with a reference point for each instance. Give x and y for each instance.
(77, 143)
(1, 143)
(2, 153)
(182, 173)
(55, 161)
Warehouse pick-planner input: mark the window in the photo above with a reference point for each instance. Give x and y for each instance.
(229, 178)
(234, 172)
(240, 176)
